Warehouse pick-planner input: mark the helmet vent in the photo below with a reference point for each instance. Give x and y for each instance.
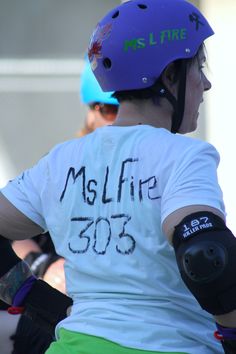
(116, 14)
(107, 63)
(142, 6)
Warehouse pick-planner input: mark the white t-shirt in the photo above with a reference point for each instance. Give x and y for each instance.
(103, 199)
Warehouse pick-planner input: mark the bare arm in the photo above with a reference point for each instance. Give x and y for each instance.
(14, 225)
(229, 319)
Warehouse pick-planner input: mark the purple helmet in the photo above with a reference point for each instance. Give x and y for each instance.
(134, 42)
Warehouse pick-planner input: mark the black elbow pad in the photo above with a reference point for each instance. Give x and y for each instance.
(206, 256)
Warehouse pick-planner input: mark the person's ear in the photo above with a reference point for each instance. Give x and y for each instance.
(168, 78)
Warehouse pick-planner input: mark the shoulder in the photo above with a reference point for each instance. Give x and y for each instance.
(63, 151)
(64, 147)
(187, 141)
(188, 147)
(181, 147)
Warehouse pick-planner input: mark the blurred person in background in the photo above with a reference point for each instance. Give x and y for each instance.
(102, 107)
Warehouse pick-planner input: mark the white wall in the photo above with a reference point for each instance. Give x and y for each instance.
(221, 103)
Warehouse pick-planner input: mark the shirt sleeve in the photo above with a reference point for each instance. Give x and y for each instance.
(193, 180)
(26, 190)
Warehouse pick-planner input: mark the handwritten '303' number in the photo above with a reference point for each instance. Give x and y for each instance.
(89, 234)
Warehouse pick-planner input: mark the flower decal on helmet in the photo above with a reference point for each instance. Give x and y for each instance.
(95, 48)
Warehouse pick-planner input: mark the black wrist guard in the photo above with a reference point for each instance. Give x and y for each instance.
(46, 306)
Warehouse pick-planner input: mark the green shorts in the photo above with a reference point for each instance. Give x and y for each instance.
(77, 343)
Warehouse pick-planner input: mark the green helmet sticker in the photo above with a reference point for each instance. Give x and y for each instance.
(173, 35)
(168, 35)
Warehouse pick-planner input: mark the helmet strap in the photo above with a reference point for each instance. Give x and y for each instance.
(178, 113)
(179, 103)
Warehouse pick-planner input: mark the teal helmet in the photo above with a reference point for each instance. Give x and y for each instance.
(90, 90)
